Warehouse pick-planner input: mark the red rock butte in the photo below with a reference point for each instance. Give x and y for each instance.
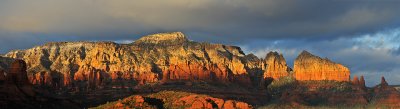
(310, 67)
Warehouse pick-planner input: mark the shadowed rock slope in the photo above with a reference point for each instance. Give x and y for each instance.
(16, 92)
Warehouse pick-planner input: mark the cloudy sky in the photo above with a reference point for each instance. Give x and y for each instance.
(361, 34)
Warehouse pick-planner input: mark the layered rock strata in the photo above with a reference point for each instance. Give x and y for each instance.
(161, 58)
(155, 58)
(310, 67)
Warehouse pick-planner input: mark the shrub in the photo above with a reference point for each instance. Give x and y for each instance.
(277, 87)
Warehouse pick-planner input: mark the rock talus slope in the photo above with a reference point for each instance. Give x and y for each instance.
(310, 67)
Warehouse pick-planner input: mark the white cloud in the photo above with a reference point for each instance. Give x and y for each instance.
(387, 39)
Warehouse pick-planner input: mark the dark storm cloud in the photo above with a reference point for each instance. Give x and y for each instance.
(397, 52)
(221, 19)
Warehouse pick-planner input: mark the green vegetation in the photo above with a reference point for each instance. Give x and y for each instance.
(277, 87)
(327, 86)
(105, 106)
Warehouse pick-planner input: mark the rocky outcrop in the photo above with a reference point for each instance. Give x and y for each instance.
(362, 82)
(205, 102)
(386, 96)
(355, 81)
(383, 82)
(17, 73)
(359, 83)
(151, 59)
(17, 92)
(47, 78)
(16, 87)
(310, 67)
(174, 100)
(276, 66)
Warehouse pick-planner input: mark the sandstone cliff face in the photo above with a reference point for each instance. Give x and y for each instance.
(164, 56)
(310, 67)
(276, 66)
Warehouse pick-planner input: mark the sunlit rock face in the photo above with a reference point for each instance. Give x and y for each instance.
(310, 67)
(276, 66)
(154, 58)
(164, 57)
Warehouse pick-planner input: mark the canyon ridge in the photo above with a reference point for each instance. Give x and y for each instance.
(87, 74)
